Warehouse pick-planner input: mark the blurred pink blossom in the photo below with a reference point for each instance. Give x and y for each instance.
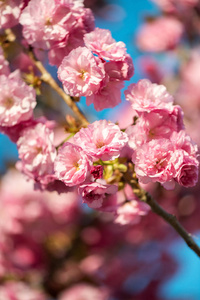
(161, 34)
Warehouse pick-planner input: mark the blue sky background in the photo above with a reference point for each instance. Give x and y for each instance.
(123, 22)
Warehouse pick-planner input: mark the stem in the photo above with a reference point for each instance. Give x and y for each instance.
(47, 78)
(156, 208)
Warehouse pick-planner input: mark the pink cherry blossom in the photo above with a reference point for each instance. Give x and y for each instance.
(37, 152)
(131, 212)
(72, 164)
(4, 65)
(146, 96)
(17, 100)
(108, 96)
(101, 43)
(162, 34)
(9, 12)
(84, 291)
(120, 70)
(84, 24)
(47, 22)
(93, 193)
(155, 125)
(101, 140)
(154, 163)
(19, 290)
(81, 72)
(181, 140)
(187, 174)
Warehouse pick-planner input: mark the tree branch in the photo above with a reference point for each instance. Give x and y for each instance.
(156, 208)
(47, 78)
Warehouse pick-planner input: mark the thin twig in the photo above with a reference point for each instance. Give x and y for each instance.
(47, 78)
(156, 208)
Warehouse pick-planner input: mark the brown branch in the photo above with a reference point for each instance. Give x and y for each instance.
(47, 78)
(156, 208)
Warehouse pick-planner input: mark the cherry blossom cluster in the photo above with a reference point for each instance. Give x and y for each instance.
(163, 152)
(97, 70)
(92, 64)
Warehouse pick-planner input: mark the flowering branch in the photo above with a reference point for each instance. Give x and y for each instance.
(47, 78)
(156, 208)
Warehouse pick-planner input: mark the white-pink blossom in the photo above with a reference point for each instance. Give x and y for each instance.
(37, 152)
(17, 100)
(162, 34)
(84, 24)
(93, 193)
(146, 97)
(47, 22)
(187, 174)
(9, 12)
(101, 43)
(155, 125)
(120, 70)
(155, 161)
(101, 140)
(181, 140)
(72, 164)
(81, 72)
(131, 212)
(108, 96)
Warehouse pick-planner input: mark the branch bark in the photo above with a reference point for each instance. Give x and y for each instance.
(156, 208)
(47, 78)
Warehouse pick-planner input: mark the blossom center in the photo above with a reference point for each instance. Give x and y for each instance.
(82, 74)
(99, 144)
(8, 102)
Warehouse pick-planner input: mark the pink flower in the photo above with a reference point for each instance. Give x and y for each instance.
(47, 22)
(146, 97)
(120, 70)
(101, 43)
(81, 72)
(84, 292)
(84, 24)
(187, 174)
(101, 140)
(9, 12)
(181, 140)
(155, 125)
(37, 152)
(72, 164)
(155, 162)
(18, 291)
(108, 96)
(4, 65)
(17, 100)
(131, 212)
(93, 193)
(162, 34)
